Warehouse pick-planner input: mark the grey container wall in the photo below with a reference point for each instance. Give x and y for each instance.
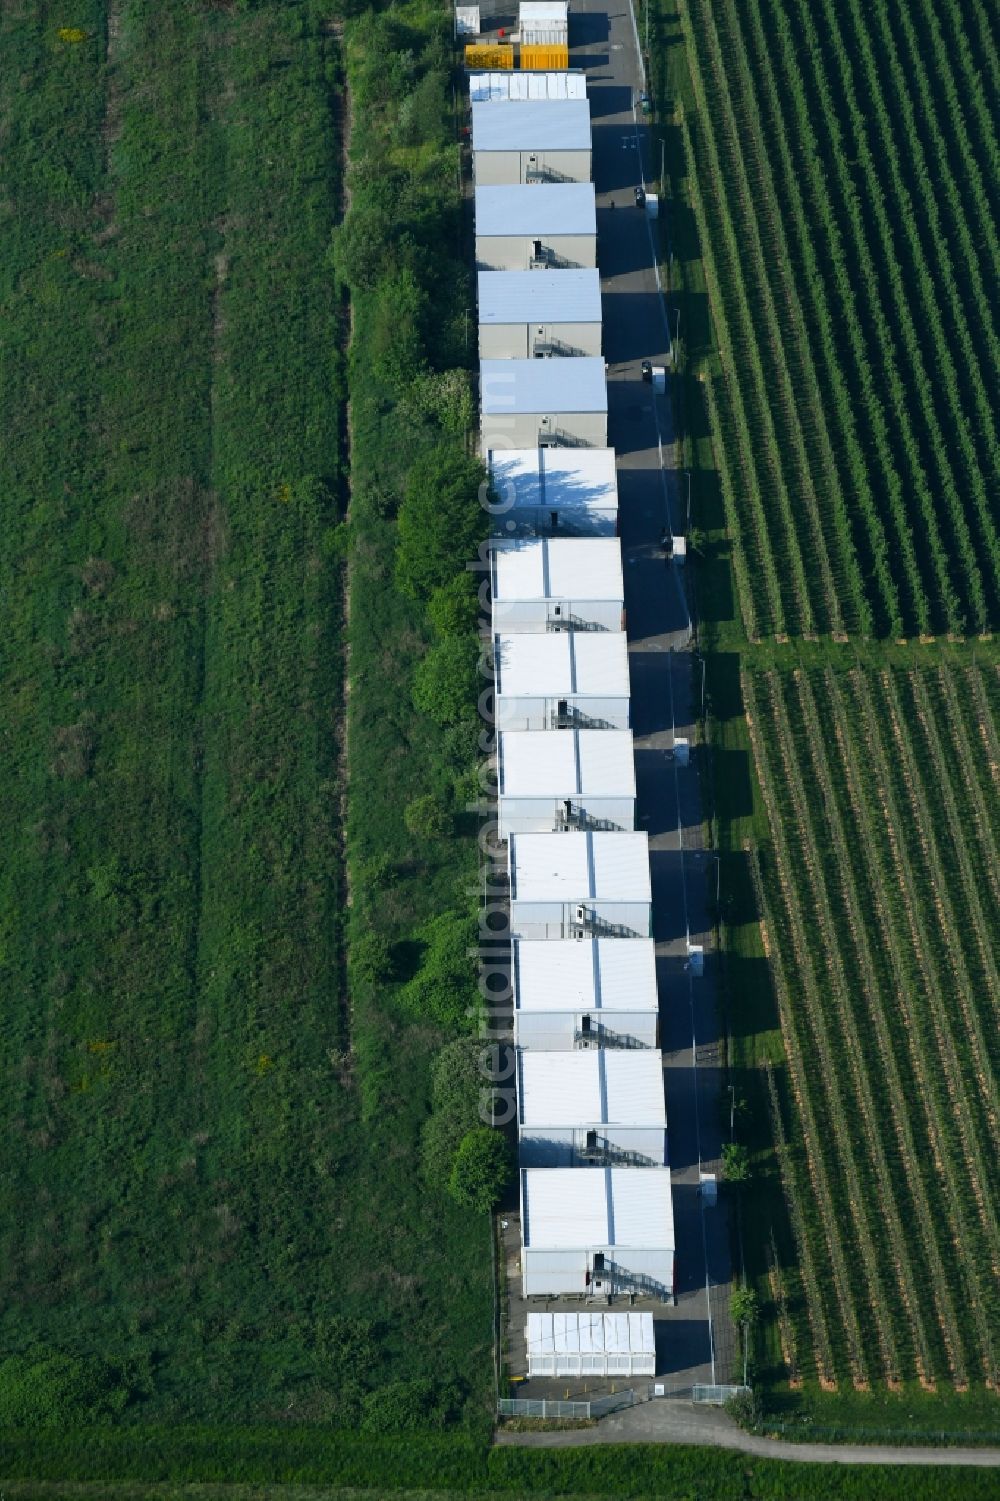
(526, 341)
(534, 429)
(533, 615)
(567, 1146)
(542, 815)
(523, 711)
(558, 1031)
(498, 168)
(517, 252)
(548, 1273)
(537, 920)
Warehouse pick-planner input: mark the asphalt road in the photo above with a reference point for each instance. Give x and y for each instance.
(699, 1343)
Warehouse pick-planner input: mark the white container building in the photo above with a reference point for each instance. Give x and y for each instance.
(581, 779)
(600, 1108)
(557, 584)
(544, 226)
(590, 1344)
(505, 87)
(543, 403)
(526, 315)
(579, 885)
(561, 680)
(597, 1232)
(585, 993)
(531, 141)
(543, 23)
(554, 491)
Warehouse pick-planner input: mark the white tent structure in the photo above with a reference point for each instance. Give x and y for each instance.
(590, 1344)
(504, 87)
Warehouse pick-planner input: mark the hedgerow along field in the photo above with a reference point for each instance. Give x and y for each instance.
(842, 168)
(193, 1222)
(830, 176)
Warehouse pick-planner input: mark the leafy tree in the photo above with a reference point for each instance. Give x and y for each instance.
(453, 608)
(743, 1307)
(481, 1170)
(735, 1162)
(427, 816)
(444, 988)
(440, 520)
(446, 683)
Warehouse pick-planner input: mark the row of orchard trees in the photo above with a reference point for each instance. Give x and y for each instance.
(842, 198)
(880, 928)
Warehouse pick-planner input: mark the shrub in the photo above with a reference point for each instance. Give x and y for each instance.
(481, 1170)
(444, 988)
(46, 1389)
(456, 1085)
(453, 608)
(440, 520)
(427, 817)
(404, 1406)
(745, 1409)
(446, 683)
(371, 958)
(735, 1162)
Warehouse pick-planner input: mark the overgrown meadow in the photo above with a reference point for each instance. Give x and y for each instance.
(213, 1204)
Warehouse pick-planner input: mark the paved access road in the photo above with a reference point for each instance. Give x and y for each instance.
(697, 1343)
(677, 1422)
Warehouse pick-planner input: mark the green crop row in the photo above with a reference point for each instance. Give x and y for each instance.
(864, 356)
(872, 922)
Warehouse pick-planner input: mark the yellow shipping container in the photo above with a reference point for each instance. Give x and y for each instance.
(542, 57)
(490, 57)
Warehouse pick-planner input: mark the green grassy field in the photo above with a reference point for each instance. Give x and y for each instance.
(829, 194)
(189, 1200)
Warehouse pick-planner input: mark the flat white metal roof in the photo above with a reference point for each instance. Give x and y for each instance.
(531, 125)
(590, 1334)
(582, 479)
(566, 763)
(503, 87)
(579, 866)
(585, 974)
(543, 10)
(560, 568)
(572, 1208)
(540, 296)
(562, 663)
(596, 1087)
(577, 384)
(539, 208)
